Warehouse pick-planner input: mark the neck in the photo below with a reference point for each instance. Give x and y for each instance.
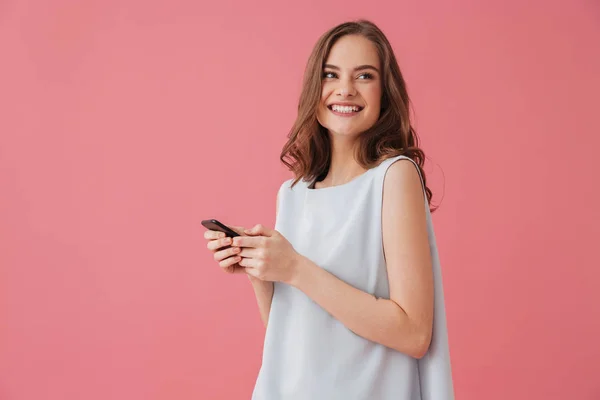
(343, 167)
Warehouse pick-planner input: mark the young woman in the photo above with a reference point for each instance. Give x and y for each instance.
(348, 283)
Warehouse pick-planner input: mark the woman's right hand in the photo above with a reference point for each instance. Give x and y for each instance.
(227, 257)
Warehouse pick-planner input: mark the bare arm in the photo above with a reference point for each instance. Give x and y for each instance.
(264, 294)
(404, 322)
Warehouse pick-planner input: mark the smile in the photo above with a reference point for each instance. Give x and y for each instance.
(345, 110)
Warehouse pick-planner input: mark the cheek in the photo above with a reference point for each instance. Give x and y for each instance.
(325, 92)
(373, 97)
(322, 109)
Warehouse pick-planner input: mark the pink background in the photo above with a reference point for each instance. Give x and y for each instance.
(124, 123)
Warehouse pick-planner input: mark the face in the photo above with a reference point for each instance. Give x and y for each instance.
(351, 87)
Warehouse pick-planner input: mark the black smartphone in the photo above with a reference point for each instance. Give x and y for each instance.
(214, 225)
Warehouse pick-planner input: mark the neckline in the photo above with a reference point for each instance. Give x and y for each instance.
(339, 187)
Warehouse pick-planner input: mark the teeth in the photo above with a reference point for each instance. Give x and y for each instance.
(345, 109)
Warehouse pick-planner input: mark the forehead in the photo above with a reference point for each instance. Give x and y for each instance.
(352, 50)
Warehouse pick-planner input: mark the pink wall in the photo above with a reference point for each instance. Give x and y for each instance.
(125, 123)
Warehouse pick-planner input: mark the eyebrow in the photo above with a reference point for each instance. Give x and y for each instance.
(359, 68)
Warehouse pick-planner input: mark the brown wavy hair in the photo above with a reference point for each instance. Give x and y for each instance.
(307, 152)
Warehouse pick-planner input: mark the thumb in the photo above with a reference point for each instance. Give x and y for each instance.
(259, 230)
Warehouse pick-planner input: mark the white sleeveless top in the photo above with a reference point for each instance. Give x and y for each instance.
(308, 354)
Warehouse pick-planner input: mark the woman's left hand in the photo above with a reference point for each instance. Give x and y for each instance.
(267, 254)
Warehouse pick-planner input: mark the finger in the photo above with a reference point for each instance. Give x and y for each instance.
(214, 245)
(223, 254)
(212, 235)
(249, 241)
(249, 252)
(259, 230)
(228, 262)
(250, 262)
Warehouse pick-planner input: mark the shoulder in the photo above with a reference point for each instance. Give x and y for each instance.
(402, 179)
(285, 188)
(285, 193)
(287, 184)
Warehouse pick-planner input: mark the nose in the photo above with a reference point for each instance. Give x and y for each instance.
(346, 89)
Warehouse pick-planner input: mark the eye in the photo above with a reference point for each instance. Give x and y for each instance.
(366, 75)
(329, 74)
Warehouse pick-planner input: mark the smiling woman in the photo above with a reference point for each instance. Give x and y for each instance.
(348, 283)
(350, 89)
(352, 72)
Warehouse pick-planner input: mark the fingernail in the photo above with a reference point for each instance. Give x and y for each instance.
(221, 235)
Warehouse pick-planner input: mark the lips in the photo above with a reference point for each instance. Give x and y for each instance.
(345, 108)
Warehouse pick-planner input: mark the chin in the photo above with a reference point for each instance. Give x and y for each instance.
(345, 132)
(346, 128)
